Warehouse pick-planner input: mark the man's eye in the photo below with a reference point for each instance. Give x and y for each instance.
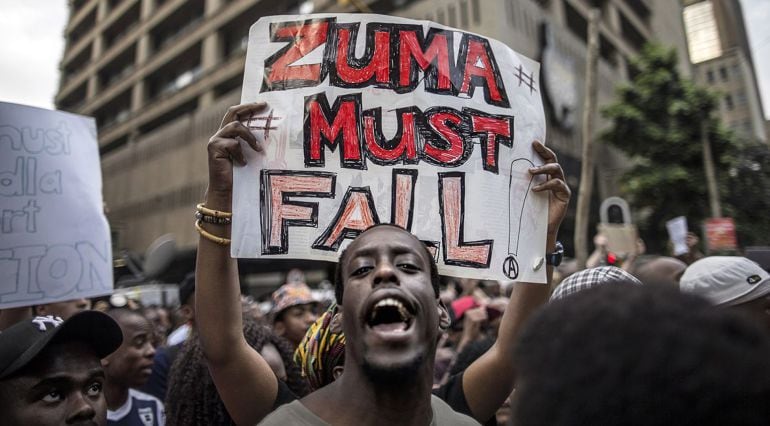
(408, 267)
(361, 271)
(94, 390)
(53, 396)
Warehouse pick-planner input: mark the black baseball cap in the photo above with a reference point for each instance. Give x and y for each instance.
(23, 341)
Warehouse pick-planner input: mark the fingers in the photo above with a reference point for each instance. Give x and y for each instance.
(557, 186)
(545, 153)
(236, 129)
(239, 112)
(551, 169)
(226, 148)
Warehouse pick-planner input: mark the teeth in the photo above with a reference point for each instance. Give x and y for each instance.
(395, 303)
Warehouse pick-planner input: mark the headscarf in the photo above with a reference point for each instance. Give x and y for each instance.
(322, 349)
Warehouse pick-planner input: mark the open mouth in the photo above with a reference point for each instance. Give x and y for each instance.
(390, 315)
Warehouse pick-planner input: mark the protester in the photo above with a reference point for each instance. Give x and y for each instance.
(157, 384)
(50, 372)
(192, 397)
(293, 312)
(240, 373)
(731, 282)
(658, 270)
(161, 324)
(64, 310)
(640, 355)
(186, 311)
(127, 369)
(593, 277)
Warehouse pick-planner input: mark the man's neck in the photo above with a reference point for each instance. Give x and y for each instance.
(116, 395)
(366, 402)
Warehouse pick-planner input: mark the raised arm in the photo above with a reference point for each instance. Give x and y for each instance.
(490, 379)
(243, 378)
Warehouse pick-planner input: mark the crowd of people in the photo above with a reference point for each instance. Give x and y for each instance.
(645, 340)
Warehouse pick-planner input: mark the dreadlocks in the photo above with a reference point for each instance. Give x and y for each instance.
(192, 397)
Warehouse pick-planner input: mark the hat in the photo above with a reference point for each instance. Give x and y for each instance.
(592, 277)
(291, 294)
(21, 342)
(461, 305)
(725, 280)
(186, 288)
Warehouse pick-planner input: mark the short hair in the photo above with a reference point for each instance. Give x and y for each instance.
(338, 277)
(639, 355)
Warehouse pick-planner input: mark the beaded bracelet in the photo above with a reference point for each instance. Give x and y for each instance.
(209, 212)
(212, 219)
(209, 236)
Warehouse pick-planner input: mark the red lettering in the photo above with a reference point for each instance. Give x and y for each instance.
(456, 150)
(451, 201)
(438, 51)
(490, 128)
(403, 198)
(319, 128)
(407, 143)
(356, 214)
(303, 37)
(377, 67)
(280, 213)
(477, 53)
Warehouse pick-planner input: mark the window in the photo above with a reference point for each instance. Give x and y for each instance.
(723, 73)
(476, 11)
(710, 76)
(729, 102)
(464, 14)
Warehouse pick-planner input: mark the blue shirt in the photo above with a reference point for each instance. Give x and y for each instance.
(140, 409)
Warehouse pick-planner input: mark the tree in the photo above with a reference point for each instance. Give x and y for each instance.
(747, 189)
(656, 120)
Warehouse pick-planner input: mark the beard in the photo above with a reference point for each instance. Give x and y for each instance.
(393, 375)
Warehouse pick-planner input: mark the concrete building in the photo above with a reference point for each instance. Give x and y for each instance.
(158, 75)
(721, 57)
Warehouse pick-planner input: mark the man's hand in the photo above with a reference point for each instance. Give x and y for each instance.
(556, 185)
(224, 147)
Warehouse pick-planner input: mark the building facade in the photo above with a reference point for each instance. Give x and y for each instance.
(158, 74)
(719, 50)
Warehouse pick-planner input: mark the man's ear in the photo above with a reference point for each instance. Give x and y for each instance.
(443, 316)
(337, 371)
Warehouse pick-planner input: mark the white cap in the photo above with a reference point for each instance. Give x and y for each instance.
(725, 280)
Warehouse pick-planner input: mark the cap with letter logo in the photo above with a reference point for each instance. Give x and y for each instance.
(726, 280)
(23, 341)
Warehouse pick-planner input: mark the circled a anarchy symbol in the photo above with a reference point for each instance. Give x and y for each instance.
(511, 267)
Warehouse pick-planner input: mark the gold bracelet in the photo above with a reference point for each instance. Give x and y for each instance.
(209, 212)
(209, 236)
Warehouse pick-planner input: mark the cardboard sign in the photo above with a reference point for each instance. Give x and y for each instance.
(379, 119)
(720, 234)
(54, 238)
(621, 238)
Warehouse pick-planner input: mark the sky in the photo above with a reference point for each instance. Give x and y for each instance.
(33, 41)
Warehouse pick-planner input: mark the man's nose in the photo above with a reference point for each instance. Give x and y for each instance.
(82, 408)
(385, 273)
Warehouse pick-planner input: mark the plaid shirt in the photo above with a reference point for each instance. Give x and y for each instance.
(588, 278)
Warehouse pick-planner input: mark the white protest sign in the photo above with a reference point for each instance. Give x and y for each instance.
(677, 232)
(379, 119)
(54, 238)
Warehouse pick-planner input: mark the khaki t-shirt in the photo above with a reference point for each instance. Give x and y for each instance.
(297, 414)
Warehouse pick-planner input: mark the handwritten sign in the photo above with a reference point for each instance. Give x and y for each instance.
(379, 119)
(54, 238)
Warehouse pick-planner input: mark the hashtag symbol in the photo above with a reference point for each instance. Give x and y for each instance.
(527, 80)
(267, 126)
